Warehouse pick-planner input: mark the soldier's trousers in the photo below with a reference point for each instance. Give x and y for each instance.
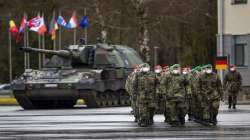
(210, 110)
(175, 111)
(232, 99)
(145, 113)
(134, 107)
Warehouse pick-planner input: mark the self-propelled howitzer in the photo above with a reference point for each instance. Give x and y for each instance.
(95, 73)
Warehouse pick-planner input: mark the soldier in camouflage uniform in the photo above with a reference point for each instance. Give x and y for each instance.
(195, 102)
(131, 92)
(232, 85)
(159, 99)
(211, 91)
(187, 75)
(145, 84)
(173, 88)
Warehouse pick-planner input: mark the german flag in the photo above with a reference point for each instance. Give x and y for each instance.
(221, 63)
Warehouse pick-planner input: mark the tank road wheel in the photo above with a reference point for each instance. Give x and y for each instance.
(23, 100)
(124, 98)
(115, 99)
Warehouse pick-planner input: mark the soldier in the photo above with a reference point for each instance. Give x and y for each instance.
(145, 84)
(173, 88)
(195, 96)
(210, 89)
(187, 75)
(129, 89)
(232, 84)
(159, 99)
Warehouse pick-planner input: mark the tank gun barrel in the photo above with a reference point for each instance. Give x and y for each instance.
(62, 53)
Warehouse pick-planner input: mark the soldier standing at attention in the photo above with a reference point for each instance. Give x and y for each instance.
(232, 85)
(144, 85)
(211, 90)
(159, 98)
(187, 75)
(173, 88)
(132, 94)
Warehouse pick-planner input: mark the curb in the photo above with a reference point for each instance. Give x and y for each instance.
(12, 101)
(8, 101)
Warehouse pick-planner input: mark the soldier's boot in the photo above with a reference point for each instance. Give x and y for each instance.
(136, 119)
(190, 117)
(182, 121)
(151, 121)
(215, 120)
(234, 106)
(143, 123)
(229, 102)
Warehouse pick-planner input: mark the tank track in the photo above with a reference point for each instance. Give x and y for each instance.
(107, 99)
(27, 103)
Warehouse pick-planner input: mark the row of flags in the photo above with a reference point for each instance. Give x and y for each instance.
(37, 24)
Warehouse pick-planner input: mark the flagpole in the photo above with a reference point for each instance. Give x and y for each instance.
(86, 29)
(26, 41)
(10, 58)
(75, 32)
(39, 54)
(60, 34)
(28, 55)
(74, 36)
(25, 45)
(43, 45)
(54, 41)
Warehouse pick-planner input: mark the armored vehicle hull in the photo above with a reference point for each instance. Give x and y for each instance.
(95, 73)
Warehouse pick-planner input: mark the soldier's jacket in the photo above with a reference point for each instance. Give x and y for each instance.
(188, 86)
(173, 87)
(145, 86)
(210, 86)
(129, 83)
(232, 81)
(194, 80)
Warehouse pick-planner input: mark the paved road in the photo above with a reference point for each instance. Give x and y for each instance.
(113, 123)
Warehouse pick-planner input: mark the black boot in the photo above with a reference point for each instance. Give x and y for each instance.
(234, 106)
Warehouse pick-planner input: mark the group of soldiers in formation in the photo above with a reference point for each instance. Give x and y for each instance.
(177, 92)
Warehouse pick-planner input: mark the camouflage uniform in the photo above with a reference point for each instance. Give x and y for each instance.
(145, 84)
(173, 88)
(133, 95)
(159, 96)
(188, 93)
(232, 84)
(211, 92)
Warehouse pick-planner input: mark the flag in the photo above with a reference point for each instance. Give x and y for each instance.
(37, 25)
(72, 22)
(23, 25)
(60, 21)
(13, 29)
(52, 28)
(221, 63)
(84, 23)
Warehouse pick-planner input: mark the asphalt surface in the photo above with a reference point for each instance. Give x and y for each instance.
(114, 123)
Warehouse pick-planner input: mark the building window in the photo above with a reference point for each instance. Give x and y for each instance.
(239, 1)
(240, 54)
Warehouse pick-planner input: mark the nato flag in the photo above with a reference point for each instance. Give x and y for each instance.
(84, 22)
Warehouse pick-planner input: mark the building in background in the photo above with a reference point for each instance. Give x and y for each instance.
(234, 35)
